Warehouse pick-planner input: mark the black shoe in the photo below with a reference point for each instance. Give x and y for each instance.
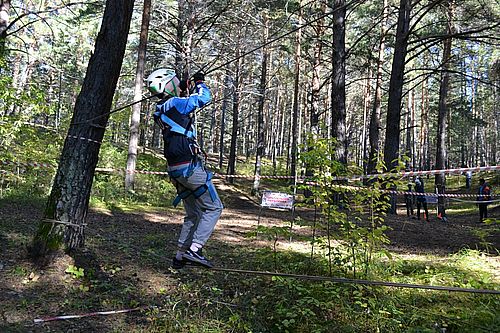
(197, 258)
(178, 264)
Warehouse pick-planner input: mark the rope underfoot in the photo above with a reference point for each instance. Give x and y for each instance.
(356, 281)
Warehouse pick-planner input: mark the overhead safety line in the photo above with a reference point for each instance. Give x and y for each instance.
(227, 62)
(283, 35)
(113, 111)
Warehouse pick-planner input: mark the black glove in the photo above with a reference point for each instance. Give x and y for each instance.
(158, 120)
(199, 76)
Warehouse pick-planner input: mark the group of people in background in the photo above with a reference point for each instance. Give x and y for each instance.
(420, 200)
(483, 198)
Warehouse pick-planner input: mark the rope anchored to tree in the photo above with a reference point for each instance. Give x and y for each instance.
(69, 224)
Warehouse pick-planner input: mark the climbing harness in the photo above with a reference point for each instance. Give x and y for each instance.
(197, 192)
(176, 128)
(196, 162)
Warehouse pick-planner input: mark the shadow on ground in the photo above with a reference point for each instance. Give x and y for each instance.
(127, 257)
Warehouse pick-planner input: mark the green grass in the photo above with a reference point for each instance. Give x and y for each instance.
(197, 300)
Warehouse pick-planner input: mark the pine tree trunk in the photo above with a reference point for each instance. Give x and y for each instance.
(260, 113)
(392, 133)
(185, 32)
(366, 105)
(338, 81)
(424, 129)
(227, 87)
(375, 127)
(4, 24)
(496, 120)
(443, 117)
(293, 149)
(413, 133)
(408, 140)
(315, 80)
(67, 206)
(314, 111)
(136, 108)
(231, 163)
(211, 131)
(282, 124)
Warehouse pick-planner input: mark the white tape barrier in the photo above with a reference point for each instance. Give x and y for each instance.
(29, 164)
(431, 172)
(404, 174)
(427, 194)
(382, 175)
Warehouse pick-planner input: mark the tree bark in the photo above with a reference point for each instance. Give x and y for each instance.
(367, 96)
(67, 206)
(185, 32)
(315, 80)
(229, 84)
(375, 127)
(409, 130)
(4, 24)
(338, 81)
(443, 116)
(496, 114)
(136, 108)
(260, 113)
(424, 160)
(231, 163)
(293, 151)
(314, 113)
(392, 133)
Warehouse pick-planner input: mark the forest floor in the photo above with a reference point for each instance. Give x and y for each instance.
(127, 259)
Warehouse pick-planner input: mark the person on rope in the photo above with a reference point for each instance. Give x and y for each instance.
(185, 160)
(483, 198)
(421, 200)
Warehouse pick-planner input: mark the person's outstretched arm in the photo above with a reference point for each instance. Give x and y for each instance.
(185, 105)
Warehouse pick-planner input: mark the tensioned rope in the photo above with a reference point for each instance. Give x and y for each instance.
(113, 111)
(356, 281)
(289, 32)
(285, 275)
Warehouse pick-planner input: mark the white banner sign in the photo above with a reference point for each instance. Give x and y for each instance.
(277, 200)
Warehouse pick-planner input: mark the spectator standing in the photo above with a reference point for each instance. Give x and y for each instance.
(468, 179)
(409, 200)
(483, 198)
(421, 200)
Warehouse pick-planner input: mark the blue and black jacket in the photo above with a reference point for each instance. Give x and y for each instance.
(419, 188)
(179, 133)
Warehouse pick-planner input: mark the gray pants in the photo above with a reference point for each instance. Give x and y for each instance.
(202, 213)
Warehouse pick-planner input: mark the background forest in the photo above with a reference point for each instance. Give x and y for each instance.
(46, 47)
(300, 88)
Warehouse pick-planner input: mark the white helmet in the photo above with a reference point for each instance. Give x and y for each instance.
(163, 81)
